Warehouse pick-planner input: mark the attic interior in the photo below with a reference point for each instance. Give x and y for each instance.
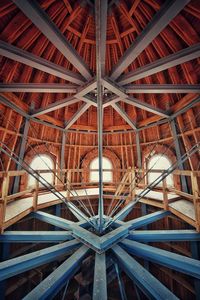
(99, 149)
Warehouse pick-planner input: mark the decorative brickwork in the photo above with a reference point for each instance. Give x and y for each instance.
(111, 155)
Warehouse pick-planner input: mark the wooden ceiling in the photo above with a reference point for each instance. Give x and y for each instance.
(126, 21)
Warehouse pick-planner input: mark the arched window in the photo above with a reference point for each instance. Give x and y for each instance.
(106, 164)
(42, 162)
(159, 162)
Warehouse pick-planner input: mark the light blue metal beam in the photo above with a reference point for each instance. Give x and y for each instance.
(35, 236)
(53, 220)
(150, 286)
(100, 280)
(99, 243)
(120, 283)
(165, 258)
(195, 250)
(144, 220)
(27, 262)
(164, 235)
(51, 285)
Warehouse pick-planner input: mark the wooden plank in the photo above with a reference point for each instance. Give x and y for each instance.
(196, 199)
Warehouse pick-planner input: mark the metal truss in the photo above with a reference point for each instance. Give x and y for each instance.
(75, 242)
(109, 240)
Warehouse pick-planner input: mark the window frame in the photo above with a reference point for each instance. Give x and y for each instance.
(104, 172)
(41, 155)
(172, 184)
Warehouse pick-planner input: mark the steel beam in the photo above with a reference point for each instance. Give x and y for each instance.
(121, 95)
(173, 115)
(38, 88)
(79, 96)
(162, 64)
(120, 282)
(164, 235)
(101, 26)
(21, 154)
(165, 258)
(195, 250)
(42, 21)
(29, 261)
(39, 63)
(86, 88)
(178, 154)
(185, 108)
(55, 105)
(144, 220)
(138, 149)
(149, 285)
(53, 220)
(62, 153)
(35, 236)
(146, 106)
(11, 105)
(161, 19)
(162, 88)
(77, 115)
(124, 115)
(100, 280)
(100, 243)
(53, 283)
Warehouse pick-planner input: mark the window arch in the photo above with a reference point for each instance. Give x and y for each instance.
(159, 162)
(42, 162)
(106, 164)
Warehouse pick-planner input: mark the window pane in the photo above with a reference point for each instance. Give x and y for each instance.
(159, 162)
(42, 162)
(94, 165)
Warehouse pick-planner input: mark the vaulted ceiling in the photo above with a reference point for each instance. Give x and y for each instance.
(39, 66)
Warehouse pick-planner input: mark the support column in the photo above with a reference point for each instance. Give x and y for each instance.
(21, 154)
(101, 24)
(178, 154)
(138, 148)
(62, 156)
